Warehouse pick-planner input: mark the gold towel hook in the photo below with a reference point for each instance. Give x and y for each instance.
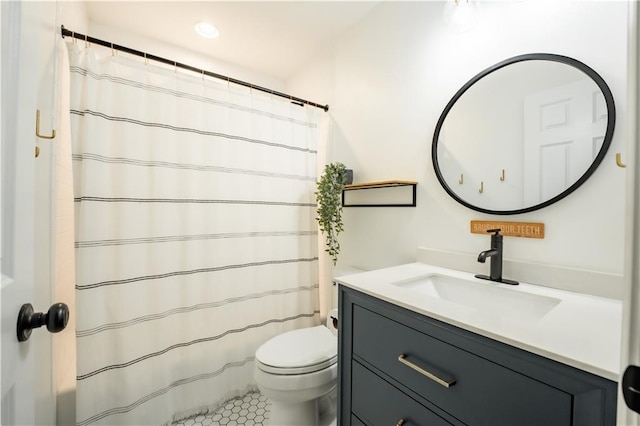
(619, 161)
(53, 132)
(481, 190)
(502, 176)
(461, 180)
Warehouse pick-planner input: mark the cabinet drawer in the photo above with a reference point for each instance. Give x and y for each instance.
(376, 402)
(483, 392)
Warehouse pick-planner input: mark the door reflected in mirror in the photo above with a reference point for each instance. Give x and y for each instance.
(523, 134)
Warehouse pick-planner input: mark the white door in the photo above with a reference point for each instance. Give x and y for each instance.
(630, 385)
(27, 365)
(563, 132)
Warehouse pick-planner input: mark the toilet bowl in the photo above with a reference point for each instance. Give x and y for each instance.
(295, 370)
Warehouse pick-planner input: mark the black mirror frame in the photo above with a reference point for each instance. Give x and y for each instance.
(611, 119)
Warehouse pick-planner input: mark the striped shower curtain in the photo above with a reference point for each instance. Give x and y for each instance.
(196, 235)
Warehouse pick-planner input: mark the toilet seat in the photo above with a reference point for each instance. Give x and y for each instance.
(296, 370)
(301, 351)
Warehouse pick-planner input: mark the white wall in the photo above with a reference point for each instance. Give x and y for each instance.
(387, 82)
(74, 16)
(180, 54)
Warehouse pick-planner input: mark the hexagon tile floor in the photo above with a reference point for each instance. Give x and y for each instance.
(249, 410)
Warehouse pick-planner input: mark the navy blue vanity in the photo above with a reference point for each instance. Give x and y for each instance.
(399, 367)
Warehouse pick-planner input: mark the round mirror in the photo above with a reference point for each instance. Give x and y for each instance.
(523, 134)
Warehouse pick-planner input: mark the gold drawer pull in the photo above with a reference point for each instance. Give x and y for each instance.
(446, 382)
(400, 422)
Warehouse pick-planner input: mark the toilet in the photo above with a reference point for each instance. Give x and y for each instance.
(297, 371)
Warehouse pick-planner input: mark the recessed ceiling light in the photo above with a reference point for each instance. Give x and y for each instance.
(207, 30)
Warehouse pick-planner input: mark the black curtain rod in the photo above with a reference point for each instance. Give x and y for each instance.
(88, 39)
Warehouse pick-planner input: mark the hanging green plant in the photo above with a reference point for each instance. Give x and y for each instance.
(329, 199)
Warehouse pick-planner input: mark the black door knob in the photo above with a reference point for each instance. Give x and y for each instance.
(631, 387)
(55, 319)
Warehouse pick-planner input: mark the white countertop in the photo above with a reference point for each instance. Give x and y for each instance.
(581, 331)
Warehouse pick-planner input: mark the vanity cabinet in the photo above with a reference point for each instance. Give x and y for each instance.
(398, 367)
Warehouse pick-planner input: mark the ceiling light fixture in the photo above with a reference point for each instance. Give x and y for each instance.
(206, 30)
(461, 15)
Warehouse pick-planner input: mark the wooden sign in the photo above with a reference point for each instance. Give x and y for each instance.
(509, 229)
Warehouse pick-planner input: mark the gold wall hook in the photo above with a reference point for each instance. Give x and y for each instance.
(502, 176)
(619, 160)
(461, 180)
(53, 132)
(481, 190)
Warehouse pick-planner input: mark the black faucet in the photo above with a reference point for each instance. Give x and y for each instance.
(495, 253)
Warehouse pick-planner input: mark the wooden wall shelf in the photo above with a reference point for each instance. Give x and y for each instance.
(378, 185)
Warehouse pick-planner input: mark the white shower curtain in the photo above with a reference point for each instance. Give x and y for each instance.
(196, 238)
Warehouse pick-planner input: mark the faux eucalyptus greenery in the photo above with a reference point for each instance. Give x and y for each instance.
(329, 198)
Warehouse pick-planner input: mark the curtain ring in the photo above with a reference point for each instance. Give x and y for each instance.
(86, 42)
(113, 51)
(146, 61)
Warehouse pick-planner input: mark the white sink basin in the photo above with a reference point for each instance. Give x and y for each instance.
(486, 297)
